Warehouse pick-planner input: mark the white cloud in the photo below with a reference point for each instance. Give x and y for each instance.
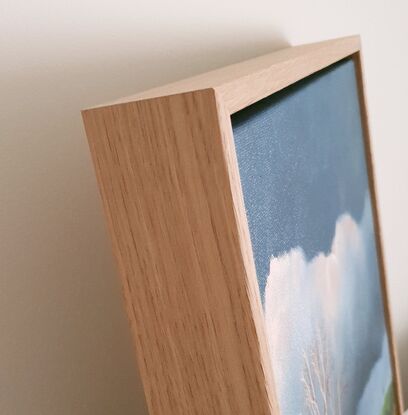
(334, 296)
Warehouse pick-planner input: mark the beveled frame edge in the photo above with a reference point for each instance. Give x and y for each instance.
(237, 87)
(358, 61)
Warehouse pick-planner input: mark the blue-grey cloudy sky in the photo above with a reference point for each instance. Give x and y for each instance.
(301, 161)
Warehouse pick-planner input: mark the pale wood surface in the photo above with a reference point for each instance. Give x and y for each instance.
(373, 192)
(169, 179)
(195, 317)
(244, 83)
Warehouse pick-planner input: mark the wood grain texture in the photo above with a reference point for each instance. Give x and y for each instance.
(195, 317)
(244, 83)
(168, 175)
(357, 57)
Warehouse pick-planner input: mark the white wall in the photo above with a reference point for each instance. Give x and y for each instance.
(65, 346)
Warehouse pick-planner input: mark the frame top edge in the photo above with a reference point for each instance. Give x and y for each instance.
(227, 77)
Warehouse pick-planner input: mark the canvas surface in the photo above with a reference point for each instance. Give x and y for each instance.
(304, 177)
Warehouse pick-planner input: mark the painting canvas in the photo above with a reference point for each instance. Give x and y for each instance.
(303, 170)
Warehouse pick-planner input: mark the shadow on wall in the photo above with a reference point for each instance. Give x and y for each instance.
(66, 346)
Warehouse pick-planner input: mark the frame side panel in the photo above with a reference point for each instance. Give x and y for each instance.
(371, 179)
(165, 186)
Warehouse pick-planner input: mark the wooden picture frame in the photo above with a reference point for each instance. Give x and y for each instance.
(168, 174)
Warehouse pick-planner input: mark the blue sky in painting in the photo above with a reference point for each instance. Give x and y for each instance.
(303, 172)
(301, 160)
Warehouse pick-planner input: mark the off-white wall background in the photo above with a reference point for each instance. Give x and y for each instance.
(65, 346)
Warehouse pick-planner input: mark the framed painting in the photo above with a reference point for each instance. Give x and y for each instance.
(242, 210)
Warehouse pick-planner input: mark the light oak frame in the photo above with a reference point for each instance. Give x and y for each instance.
(168, 175)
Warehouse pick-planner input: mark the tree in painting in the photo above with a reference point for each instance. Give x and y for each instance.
(322, 387)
